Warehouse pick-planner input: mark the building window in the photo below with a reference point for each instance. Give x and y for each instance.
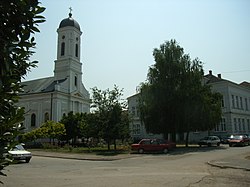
(237, 102)
(136, 129)
(235, 125)
(138, 113)
(239, 124)
(243, 124)
(62, 49)
(246, 103)
(46, 117)
(241, 103)
(33, 120)
(248, 124)
(222, 102)
(223, 124)
(133, 111)
(217, 128)
(75, 80)
(76, 50)
(233, 102)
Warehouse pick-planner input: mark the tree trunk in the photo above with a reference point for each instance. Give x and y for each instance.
(115, 144)
(187, 136)
(165, 136)
(173, 137)
(108, 141)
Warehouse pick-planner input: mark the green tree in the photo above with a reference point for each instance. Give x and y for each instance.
(53, 130)
(49, 129)
(75, 126)
(109, 106)
(92, 125)
(18, 22)
(175, 99)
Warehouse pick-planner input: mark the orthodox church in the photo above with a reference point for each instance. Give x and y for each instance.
(51, 98)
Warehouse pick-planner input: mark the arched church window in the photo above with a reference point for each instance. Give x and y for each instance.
(46, 117)
(76, 52)
(75, 80)
(33, 120)
(62, 49)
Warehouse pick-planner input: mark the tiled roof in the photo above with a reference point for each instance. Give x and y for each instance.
(245, 84)
(40, 85)
(212, 79)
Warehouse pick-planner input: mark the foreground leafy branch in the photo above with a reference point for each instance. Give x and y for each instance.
(18, 22)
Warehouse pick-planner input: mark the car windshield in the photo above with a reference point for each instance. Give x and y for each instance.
(147, 142)
(18, 148)
(236, 137)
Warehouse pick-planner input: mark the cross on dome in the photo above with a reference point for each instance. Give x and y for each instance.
(70, 10)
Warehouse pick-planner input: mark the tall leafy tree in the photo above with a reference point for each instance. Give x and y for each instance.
(109, 106)
(174, 99)
(75, 125)
(19, 21)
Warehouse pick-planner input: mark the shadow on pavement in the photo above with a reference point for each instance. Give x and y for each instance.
(184, 150)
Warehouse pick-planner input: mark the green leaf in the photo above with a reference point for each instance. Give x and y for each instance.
(39, 10)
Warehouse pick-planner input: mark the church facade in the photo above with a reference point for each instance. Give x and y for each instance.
(51, 98)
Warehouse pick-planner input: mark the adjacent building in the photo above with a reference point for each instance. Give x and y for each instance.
(235, 105)
(52, 97)
(235, 111)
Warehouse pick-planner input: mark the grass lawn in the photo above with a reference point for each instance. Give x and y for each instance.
(92, 150)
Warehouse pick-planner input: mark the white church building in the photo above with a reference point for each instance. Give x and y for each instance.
(51, 98)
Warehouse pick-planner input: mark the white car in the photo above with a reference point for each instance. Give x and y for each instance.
(210, 141)
(19, 153)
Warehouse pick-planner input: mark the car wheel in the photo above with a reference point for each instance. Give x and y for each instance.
(218, 144)
(27, 160)
(140, 151)
(209, 144)
(230, 145)
(165, 151)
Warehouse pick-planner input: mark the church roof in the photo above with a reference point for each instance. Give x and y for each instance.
(69, 22)
(40, 85)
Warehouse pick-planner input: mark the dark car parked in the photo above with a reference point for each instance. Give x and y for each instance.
(153, 145)
(239, 140)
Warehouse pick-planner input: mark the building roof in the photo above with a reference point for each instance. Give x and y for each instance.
(212, 79)
(245, 84)
(69, 22)
(40, 85)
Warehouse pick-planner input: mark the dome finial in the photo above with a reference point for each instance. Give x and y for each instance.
(70, 10)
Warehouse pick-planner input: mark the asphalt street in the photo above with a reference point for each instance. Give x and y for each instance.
(178, 168)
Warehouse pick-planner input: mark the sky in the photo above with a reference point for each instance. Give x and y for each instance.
(119, 37)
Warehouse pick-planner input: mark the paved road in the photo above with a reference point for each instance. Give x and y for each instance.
(188, 169)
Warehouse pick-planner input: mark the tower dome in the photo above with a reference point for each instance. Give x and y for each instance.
(69, 22)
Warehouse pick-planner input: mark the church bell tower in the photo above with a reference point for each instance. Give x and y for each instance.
(67, 64)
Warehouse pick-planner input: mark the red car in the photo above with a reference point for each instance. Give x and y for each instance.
(240, 140)
(153, 145)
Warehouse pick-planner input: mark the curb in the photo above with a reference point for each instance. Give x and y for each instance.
(80, 158)
(211, 163)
